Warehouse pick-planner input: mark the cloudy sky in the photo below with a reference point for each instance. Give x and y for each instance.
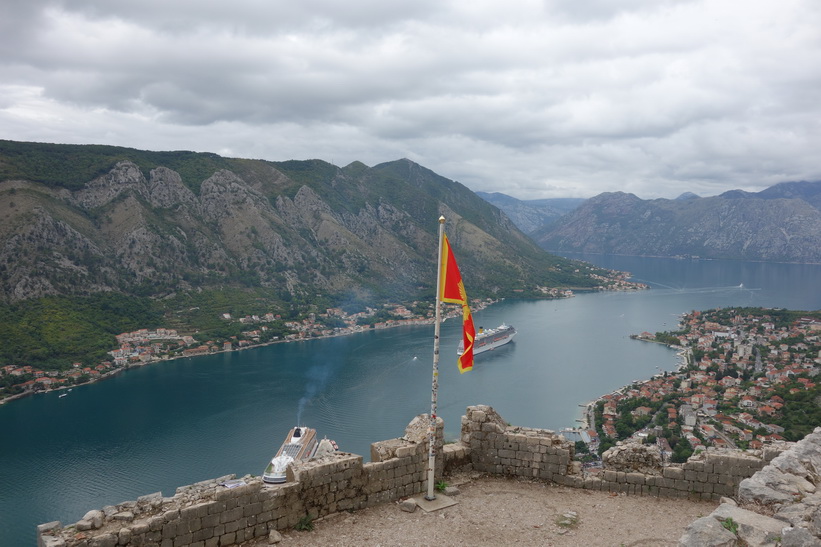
(533, 98)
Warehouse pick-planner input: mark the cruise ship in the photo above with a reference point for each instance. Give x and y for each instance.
(300, 445)
(489, 339)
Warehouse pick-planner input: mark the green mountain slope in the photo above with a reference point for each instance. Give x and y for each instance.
(79, 220)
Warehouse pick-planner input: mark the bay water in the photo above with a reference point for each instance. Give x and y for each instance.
(178, 422)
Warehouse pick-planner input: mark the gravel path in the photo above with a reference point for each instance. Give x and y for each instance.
(494, 511)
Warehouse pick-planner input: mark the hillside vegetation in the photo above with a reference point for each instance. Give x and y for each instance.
(187, 236)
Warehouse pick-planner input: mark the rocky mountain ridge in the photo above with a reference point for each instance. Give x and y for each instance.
(781, 223)
(293, 228)
(531, 214)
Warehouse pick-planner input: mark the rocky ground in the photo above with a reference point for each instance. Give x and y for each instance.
(494, 511)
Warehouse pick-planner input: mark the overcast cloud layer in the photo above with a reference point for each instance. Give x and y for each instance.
(551, 98)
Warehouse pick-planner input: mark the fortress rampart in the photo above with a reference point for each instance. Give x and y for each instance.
(226, 511)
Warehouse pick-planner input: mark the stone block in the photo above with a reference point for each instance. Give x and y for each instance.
(183, 540)
(561, 479)
(634, 478)
(663, 482)
(252, 509)
(209, 521)
(683, 486)
(103, 540)
(506, 453)
(694, 466)
(524, 456)
(194, 524)
(673, 473)
(216, 507)
(202, 534)
(724, 490)
(260, 530)
(591, 483)
(171, 515)
(703, 487)
(231, 515)
(232, 526)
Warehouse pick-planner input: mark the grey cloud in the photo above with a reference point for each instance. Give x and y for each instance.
(545, 99)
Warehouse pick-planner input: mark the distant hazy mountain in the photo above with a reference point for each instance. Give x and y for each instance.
(534, 214)
(78, 220)
(781, 223)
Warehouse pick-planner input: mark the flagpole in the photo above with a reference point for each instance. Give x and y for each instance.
(435, 382)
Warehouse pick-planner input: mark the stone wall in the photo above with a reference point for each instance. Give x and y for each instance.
(500, 449)
(709, 476)
(226, 511)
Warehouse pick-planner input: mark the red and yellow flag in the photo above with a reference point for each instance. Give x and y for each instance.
(453, 291)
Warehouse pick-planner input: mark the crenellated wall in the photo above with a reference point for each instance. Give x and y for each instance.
(500, 449)
(226, 512)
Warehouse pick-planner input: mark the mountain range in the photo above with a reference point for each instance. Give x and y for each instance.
(86, 219)
(781, 223)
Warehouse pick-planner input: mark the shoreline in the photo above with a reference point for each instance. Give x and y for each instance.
(416, 322)
(588, 407)
(106, 375)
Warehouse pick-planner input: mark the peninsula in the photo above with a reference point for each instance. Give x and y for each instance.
(747, 378)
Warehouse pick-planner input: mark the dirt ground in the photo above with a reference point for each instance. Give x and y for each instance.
(493, 511)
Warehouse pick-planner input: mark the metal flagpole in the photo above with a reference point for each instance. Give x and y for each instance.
(435, 382)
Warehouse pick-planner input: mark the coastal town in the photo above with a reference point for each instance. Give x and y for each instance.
(747, 378)
(146, 346)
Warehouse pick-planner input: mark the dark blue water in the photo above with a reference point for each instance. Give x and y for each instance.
(175, 423)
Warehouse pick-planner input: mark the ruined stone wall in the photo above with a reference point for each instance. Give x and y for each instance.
(500, 449)
(708, 476)
(226, 511)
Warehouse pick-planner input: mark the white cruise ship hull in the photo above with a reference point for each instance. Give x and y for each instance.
(490, 339)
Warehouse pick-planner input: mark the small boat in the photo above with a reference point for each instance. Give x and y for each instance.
(489, 339)
(300, 445)
(62, 395)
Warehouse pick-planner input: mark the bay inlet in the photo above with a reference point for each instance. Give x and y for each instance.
(174, 423)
